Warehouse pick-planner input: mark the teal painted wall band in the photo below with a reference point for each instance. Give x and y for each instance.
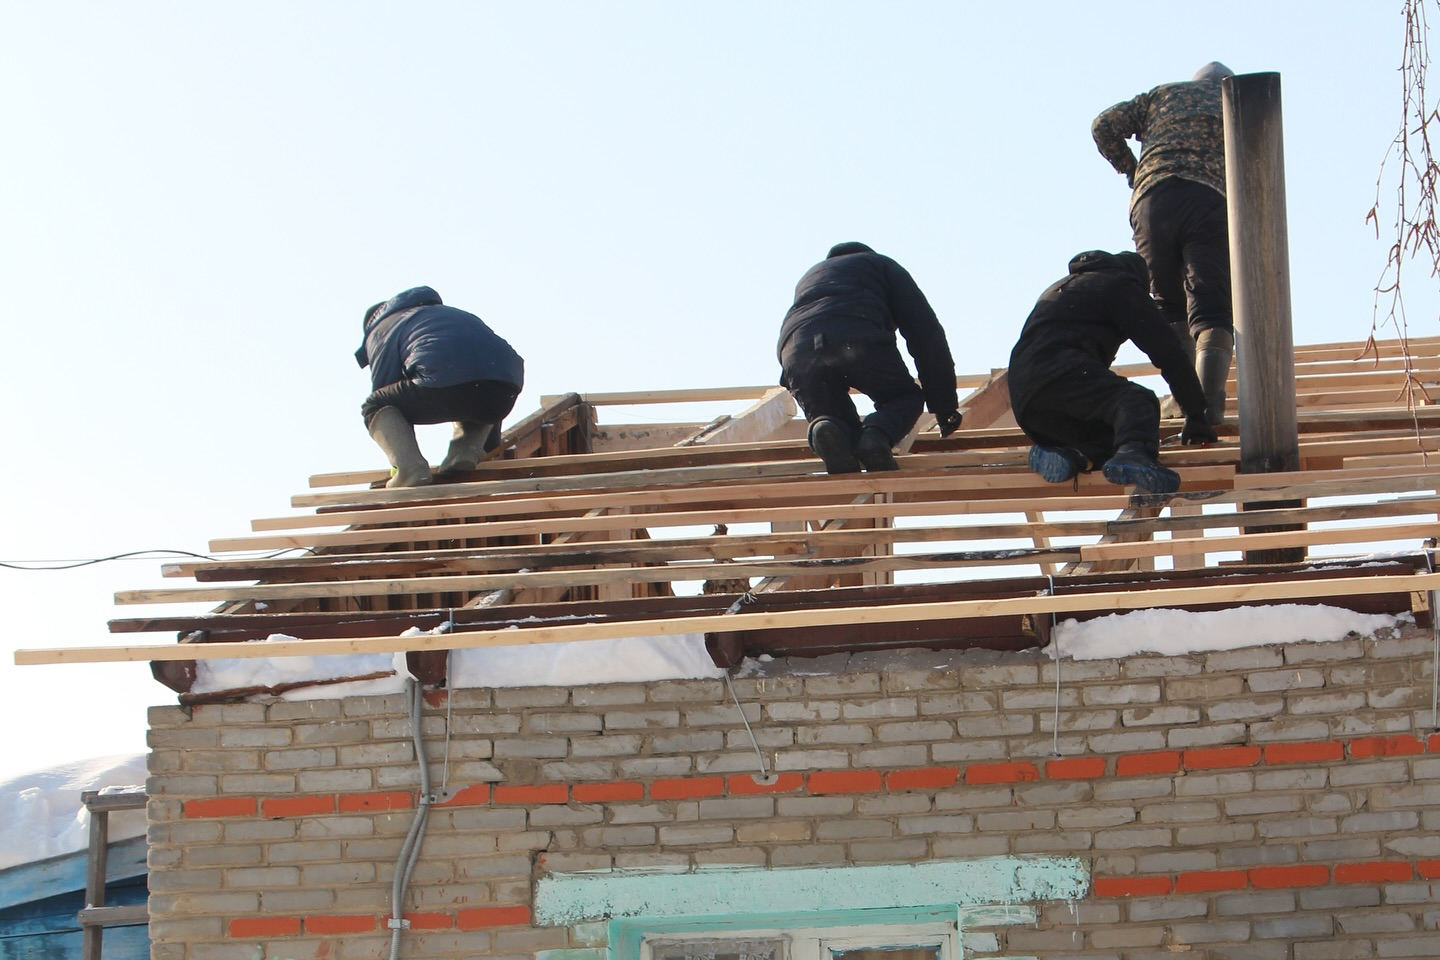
(567, 899)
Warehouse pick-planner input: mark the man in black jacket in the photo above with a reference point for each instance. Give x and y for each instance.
(839, 334)
(1077, 411)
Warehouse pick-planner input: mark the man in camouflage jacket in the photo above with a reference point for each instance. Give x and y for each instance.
(1177, 212)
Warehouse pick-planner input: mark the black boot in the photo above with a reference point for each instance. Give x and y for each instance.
(831, 441)
(873, 449)
(1216, 347)
(1136, 465)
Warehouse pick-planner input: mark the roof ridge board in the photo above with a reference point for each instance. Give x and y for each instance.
(814, 616)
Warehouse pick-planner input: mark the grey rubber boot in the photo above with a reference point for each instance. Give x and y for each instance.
(467, 447)
(395, 435)
(1212, 363)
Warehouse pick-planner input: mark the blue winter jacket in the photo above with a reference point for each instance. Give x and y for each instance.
(414, 336)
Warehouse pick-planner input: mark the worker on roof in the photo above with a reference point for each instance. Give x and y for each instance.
(430, 363)
(1077, 411)
(840, 334)
(1177, 212)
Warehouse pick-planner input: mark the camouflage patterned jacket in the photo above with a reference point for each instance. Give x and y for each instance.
(1181, 133)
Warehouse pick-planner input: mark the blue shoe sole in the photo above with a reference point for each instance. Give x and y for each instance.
(1052, 465)
(1152, 479)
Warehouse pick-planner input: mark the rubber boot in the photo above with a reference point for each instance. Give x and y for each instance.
(1212, 362)
(1135, 465)
(1170, 407)
(831, 441)
(467, 448)
(873, 449)
(395, 435)
(1056, 465)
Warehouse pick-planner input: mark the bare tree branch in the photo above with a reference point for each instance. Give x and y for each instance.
(1410, 161)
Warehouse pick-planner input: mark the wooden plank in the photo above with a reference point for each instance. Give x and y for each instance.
(1263, 541)
(114, 916)
(757, 422)
(811, 617)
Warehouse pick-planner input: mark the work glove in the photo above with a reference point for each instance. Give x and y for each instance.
(948, 422)
(1197, 430)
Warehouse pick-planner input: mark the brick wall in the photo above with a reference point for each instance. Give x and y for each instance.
(1272, 802)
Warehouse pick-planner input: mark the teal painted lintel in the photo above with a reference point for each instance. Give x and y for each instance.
(569, 899)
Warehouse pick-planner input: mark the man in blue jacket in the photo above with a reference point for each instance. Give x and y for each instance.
(430, 363)
(840, 334)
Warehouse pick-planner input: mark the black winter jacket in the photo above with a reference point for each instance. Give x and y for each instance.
(413, 336)
(1082, 321)
(855, 295)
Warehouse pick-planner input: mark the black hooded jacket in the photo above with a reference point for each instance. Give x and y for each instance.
(855, 295)
(1082, 321)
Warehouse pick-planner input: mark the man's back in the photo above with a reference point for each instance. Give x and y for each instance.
(1181, 130)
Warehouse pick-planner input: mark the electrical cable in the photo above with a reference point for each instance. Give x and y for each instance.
(73, 564)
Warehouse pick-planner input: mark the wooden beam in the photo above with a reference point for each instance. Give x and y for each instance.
(890, 613)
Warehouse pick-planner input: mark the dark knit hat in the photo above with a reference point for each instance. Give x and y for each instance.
(847, 248)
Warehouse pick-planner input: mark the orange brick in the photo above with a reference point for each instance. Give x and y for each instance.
(1428, 869)
(1303, 876)
(1378, 871)
(245, 928)
(1435, 743)
(1022, 772)
(547, 793)
(339, 923)
(221, 807)
(844, 781)
(477, 918)
(423, 921)
(1141, 764)
(602, 792)
(687, 788)
(477, 794)
(1075, 768)
(274, 807)
(742, 783)
(1132, 886)
(391, 800)
(1220, 758)
(1367, 747)
(1206, 881)
(924, 779)
(1317, 752)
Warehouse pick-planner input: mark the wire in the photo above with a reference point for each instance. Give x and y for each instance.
(49, 565)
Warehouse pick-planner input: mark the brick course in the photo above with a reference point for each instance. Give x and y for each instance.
(1265, 802)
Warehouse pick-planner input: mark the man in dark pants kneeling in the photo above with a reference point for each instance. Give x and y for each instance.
(840, 334)
(430, 363)
(1077, 411)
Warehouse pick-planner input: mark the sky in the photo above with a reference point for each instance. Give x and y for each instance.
(199, 200)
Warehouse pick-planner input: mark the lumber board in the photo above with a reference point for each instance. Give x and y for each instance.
(1260, 541)
(1118, 600)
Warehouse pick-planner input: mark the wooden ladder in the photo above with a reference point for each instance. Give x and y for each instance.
(94, 917)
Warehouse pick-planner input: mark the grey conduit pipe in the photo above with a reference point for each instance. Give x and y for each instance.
(410, 851)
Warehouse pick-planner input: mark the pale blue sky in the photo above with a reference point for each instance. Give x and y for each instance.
(199, 200)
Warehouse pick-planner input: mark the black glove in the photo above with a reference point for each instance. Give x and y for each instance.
(948, 422)
(1197, 430)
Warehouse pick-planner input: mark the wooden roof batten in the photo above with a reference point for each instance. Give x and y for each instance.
(723, 524)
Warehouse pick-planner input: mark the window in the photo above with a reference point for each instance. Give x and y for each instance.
(927, 941)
